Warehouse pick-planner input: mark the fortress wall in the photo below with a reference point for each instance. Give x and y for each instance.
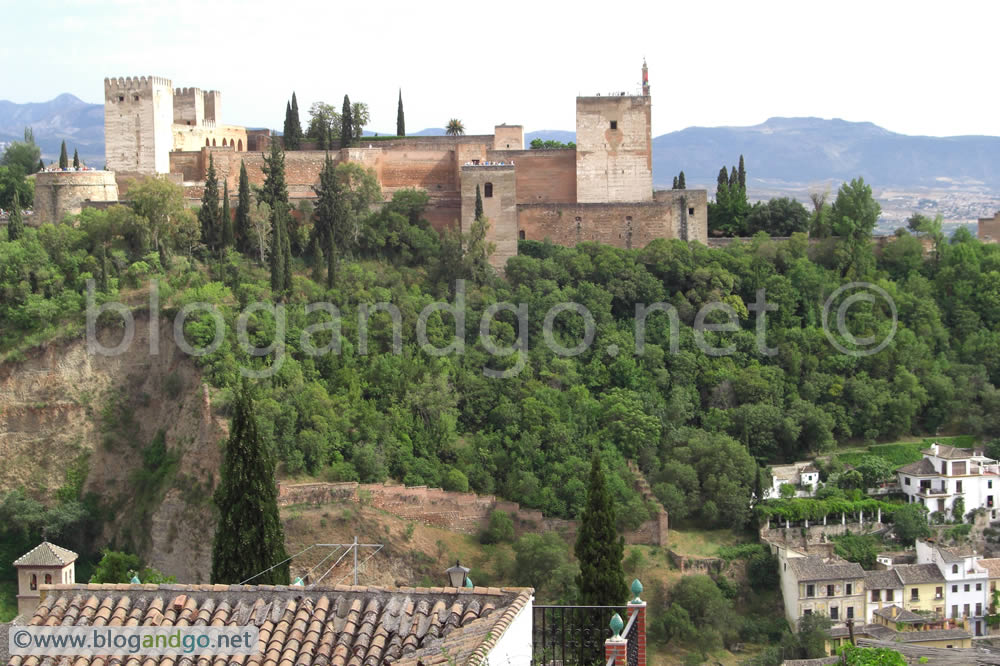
(430, 169)
(194, 137)
(543, 176)
(614, 164)
(499, 207)
(60, 192)
(569, 224)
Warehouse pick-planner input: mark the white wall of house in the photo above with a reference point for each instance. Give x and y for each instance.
(966, 582)
(514, 645)
(973, 478)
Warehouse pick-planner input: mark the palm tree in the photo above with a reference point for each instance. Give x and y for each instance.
(455, 128)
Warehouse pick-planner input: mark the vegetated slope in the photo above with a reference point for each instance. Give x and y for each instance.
(63, 405)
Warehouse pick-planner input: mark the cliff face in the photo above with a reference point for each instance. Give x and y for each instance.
(63, 402)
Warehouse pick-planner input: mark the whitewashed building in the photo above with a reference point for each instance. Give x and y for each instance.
(946, 473)
(966, 582)
(803, 475)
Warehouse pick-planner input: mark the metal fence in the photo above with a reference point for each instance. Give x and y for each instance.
(575, 635)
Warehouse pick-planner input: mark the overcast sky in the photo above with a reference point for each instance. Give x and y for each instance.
(913, 67)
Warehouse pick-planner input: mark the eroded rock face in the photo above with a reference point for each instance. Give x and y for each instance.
(62, 402)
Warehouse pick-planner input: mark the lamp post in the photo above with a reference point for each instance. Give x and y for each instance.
(457, 575)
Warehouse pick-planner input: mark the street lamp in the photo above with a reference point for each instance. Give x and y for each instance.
(457, 575)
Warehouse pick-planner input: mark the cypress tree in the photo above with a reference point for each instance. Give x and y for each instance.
(63, 157)
(599, 547)
(286, 249)
(278, 249)
(346, 133)
(722, 189)
(275, 189)
(734, 180)
(209, 213)
(400, 122)
(248, 538)
(227, 220)
(296, 123)
(243, 231)
(742, 175)
(674, 187)
(15, 225)
(287, 134)
(41, 164)
(76, 159)
(102, 259)
(681, 182)
(479, 204)
(330, 217)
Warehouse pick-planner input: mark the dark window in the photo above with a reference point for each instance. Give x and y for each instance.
(954, 569)
(938, 592)
(810, 591)
(34, 582)
(121, 98)
(807, 612)
(979, 609)
(850, 589)
(958, 486)
(906, 480)
(966, 588)
(488, 190)
(614, 124)
(48, 579)
(829, 590)
(850, 612)
(979, 587)
(915, 594)
(954, 588)
(888, 595)
(520, 234)
(834, 612)
(875, 595)
(965, 610)
(690, 211)
(954, 610)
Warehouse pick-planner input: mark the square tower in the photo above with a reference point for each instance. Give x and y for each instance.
(498, 190)
(138, 114)
(614, 149)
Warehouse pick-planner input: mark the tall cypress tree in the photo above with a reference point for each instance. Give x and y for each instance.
(286, 250)
(479, 204)
(599, 547)
(287, 134)
(681, 182)
(296, 123)
(15, 225)
(228, 237)
(248, 538)
(243, 231)
(674, 187)
(41, 165)
(63, 157)
(331, 216)
(102, 259)
(275, 188)
(400, 121)
(734, 180)
(278, 231)
(742, 175)
(209, 213)
(76, 159)
(346, 132)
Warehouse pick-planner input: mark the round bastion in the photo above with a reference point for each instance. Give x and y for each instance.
(60, 192)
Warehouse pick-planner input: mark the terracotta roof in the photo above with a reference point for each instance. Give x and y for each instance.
(340, 626)
(898, 614)
(882, 579)
(916, 574)
(992, 565)
(816, 568)
(922, 467)
(46, 554)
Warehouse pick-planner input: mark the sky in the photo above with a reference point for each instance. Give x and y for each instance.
(912, 67)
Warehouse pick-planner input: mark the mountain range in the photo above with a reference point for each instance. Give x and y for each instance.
(780, 153)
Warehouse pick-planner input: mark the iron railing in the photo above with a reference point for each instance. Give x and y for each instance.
(571, 635)
(631, 634)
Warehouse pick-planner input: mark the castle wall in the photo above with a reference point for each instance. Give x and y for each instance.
(213, 105)
(508, 137)
(624, 225)
(500, 208)
(690, 209)
(989, 229)
(60, 192)
(138, 114)
(543, 176)
(189, 106)
(614, 164)
(208, 134)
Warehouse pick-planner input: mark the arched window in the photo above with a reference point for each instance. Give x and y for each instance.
(223, 143)
(213, 142)
(34, 582)
(48, 579)
(239, 146)
(488, 190)
(207, 143)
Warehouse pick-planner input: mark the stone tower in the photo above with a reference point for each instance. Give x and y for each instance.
(138, 114)
(498, 189)
(645, 79)
(614, 147)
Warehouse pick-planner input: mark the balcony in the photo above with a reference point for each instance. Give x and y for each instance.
(934, 492)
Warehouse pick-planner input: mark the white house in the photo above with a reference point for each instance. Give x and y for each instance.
(803, 475)
(946, 473)
(966, 582)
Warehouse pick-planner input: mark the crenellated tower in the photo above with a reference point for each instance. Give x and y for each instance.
(138, 114)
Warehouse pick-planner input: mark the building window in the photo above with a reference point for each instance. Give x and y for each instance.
(34, 582)
(834, 612)
(614, 124)
(954, 569)
(966, 588)
(829, 590)
(875, 595)
(979, 587)
(989, 484)
(954, 610)
(915, 594)
(850, 612)
(954, 588)
(121, 98)
(488, 190)
(965, 610)
(958, 486)
(979, 609)
(690, 211)
(48, 579)
(136, 98)
(850, 589)
(888, 595)
(520, 234)
(810, 591)
(938, 592)
(807, 611)
(906, 480)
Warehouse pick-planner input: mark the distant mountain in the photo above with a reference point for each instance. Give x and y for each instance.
(66, 117)
(780, 152)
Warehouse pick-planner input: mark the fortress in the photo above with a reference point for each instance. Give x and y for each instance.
(600, 191)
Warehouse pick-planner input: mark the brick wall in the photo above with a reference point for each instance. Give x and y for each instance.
(543, 176)
(569, 224)
(614, 164)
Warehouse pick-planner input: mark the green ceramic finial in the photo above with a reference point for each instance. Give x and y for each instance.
(135, 580)
(298, 581)
(617, 625)
(468, 582)
(636, 590)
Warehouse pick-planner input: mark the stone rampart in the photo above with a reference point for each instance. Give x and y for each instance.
(60, 192)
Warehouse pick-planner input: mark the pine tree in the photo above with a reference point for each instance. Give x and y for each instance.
(76, 159)
(681, 182)
(275, 189)
(599, 547)
(63, 157)
(742, 175)
(346, 133)
(228, 237)
(249, 539)
(243, 231)
(479, 204)
(400, 122)
(15, 225)
(209, 213)
(296, 123)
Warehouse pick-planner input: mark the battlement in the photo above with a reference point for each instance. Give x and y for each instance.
(186, 91)
(133, 83)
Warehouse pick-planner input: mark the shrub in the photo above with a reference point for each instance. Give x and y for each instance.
(500, 529)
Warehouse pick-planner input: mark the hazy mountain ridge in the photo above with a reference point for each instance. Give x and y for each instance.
(780, 152)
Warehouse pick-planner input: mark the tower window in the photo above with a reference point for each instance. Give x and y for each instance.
(690, 211)
(520, 234)
(488, 190)
(48, 579)
(136, 98)
(614, 124)
(121, 98)
(33, 584)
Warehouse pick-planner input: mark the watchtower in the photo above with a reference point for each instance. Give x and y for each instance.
(614, 147)
(138, 114)
(498, 189)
